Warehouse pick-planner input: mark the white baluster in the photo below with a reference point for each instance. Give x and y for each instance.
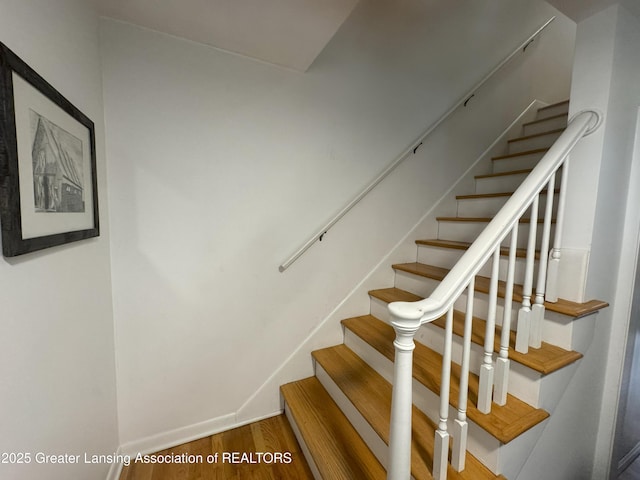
(554, 262)
(537, 311)
(441, 445)
(485, 391)
(524, 314)
(502, 363)
(460, 425)
(401, 402)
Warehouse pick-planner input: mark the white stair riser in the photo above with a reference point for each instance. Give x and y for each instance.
(501, 183)
(505, 183)
(489, 206)
(447, 258)
(305, 450)
(568, 332)
(549, 124)
(469, 231)
(377, 446)
(542, 141)
(552, 111)
(521, 162)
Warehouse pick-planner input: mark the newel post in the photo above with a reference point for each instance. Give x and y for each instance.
(399, 467)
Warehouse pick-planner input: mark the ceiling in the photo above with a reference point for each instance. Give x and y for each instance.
(290, 33)
(578, 10)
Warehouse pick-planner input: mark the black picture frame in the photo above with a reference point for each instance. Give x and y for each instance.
(48, 178)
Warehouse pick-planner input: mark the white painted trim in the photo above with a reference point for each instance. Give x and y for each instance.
(116, 468)
(628, 459)
(189, 433)
(621, 310)
(303, 445)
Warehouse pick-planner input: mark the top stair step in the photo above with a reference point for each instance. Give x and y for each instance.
(334, 444)
(370, 394)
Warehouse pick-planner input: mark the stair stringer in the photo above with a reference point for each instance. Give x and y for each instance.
(328, 331)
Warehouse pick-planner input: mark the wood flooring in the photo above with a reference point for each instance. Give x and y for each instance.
(273, 435)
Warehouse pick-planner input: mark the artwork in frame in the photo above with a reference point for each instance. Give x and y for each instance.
(48, 183)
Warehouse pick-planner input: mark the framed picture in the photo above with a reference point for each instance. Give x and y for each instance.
(48, 184)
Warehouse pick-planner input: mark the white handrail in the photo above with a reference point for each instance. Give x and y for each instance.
(392, 166)
(483, 247)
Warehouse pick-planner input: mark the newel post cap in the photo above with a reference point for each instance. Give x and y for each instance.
(410, 312)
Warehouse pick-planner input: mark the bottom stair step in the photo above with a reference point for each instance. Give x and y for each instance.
(370, 394)
(336, 449)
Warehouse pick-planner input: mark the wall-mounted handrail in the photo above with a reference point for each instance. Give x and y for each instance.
(407, 317)
(411, 150)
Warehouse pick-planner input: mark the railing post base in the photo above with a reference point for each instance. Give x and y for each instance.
(440, 455)
(459, 450)
(524, 330)
(502, 381)
(485, 391)
(537, 316)
(551, 294)
(401, 399)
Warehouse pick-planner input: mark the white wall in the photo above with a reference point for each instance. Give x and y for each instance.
(56, 348)
(220, 167)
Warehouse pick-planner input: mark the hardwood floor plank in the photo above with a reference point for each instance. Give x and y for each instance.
(273, 435)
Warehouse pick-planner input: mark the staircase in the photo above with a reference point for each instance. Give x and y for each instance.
(342, 415)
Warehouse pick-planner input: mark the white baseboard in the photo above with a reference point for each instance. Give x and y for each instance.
(116, 468)
(178, 436)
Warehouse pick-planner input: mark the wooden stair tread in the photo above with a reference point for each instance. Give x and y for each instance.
(370, 393)
(565, 307)
(504, 174)
(337, 449)
(557, 104)
(520, 154)
(456, 245)
(553, 117)
(493, 195)
(535, 135)
(483, 219)
(504, 422)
